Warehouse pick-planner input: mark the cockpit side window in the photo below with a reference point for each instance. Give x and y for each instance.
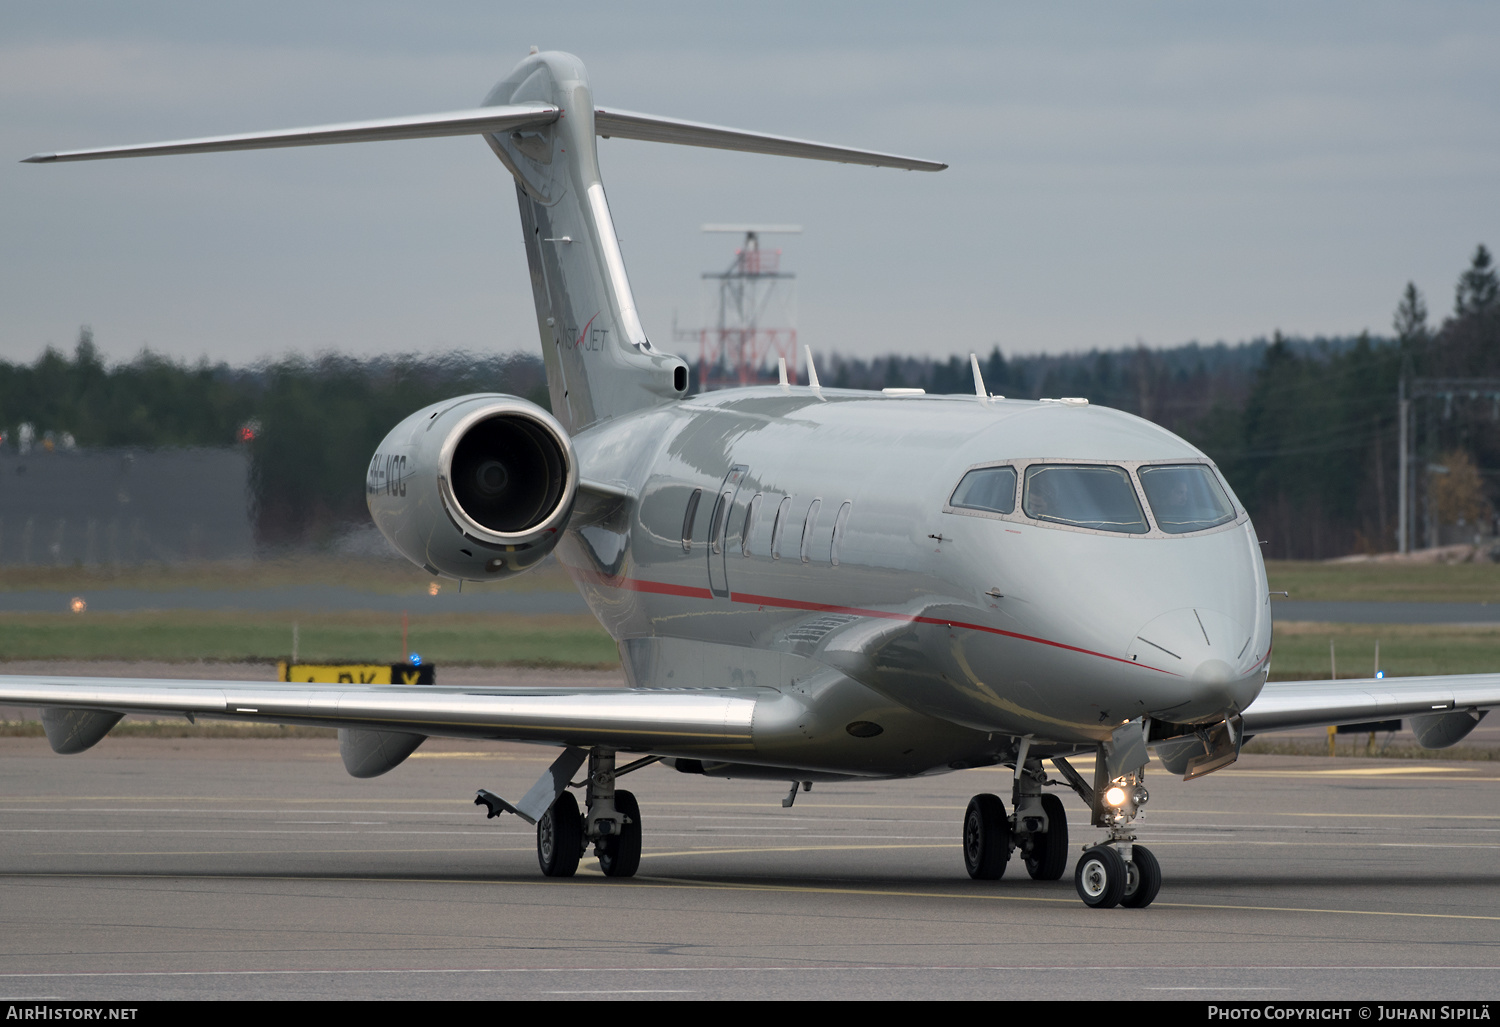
(1185, 497)
(992, 489)
(1084, 496)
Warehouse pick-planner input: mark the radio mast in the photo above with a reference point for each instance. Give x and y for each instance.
(754, 318)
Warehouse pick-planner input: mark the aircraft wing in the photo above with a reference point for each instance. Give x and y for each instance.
(1447, 701)
(635, 720)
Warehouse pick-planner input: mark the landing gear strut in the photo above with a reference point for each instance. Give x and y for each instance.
(1041, 824)
(611, 820)
(1116, 872)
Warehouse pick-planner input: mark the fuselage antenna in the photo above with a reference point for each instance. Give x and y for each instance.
(812, 372)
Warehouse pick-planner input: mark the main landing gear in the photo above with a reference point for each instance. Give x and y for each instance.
(612, 822)
(610, 819)
(1116, 872)
(1038, 830)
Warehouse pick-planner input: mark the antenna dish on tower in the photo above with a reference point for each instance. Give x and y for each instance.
(756, 229)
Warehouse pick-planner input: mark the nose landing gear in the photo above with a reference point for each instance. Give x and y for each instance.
(1115, 872)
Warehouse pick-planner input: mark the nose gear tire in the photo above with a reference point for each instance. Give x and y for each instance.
(1144, 879)
(1100, 877)
(1048, 858)
(621, 853)
(986, 838)
(559, 838)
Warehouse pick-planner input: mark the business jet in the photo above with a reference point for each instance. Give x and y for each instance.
(805, 583)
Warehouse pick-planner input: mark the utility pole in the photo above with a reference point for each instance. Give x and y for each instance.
(1403, 414)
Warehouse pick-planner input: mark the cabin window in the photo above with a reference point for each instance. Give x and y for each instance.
(750, 512)
(1098, 497)
(687, 520)
(808, 527)
(778, 529)
(720, 522)
(1185, 497)
(992, 489)
(838, 532)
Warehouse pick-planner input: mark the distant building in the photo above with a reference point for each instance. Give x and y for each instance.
(124, 506)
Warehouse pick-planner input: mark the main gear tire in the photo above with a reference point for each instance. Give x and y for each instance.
(559, 837)
(1048, 858)
(986, 838)
(621, 853)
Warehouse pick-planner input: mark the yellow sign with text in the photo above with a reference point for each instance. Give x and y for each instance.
(357, 673)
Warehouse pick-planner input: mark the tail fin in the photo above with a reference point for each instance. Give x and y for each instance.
(600, 363)
(542, 124)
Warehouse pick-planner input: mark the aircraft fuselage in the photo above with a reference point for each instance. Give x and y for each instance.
(823, 544)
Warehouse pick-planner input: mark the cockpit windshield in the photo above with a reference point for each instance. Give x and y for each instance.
(1084, 496)
(1185, 497)
(992, 489)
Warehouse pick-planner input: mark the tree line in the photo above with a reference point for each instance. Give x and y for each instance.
(1305, 429)
(310, 424)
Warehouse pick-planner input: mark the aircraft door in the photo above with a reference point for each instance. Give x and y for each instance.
(724, 529)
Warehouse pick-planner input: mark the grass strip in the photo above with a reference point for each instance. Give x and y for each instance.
(1301, 649)
(386, 577)
(488, 639)
(1386, 582)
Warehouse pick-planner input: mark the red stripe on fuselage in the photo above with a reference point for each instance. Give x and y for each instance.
(746, 598)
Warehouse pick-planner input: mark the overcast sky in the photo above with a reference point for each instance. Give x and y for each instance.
(1120, 172)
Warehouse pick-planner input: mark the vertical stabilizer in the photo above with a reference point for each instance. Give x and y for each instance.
(600, 363)
(541, 122)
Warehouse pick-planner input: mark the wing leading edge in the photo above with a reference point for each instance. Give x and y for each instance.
(638, 720)
(1283, 705)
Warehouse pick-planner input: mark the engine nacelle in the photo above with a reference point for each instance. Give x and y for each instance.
(478, 487)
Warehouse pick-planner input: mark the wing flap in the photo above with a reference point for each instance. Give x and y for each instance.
(653, 128)
(1283, 705)
(418, 126)
(685, 721)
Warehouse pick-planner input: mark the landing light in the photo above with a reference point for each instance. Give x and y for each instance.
(1115, 796)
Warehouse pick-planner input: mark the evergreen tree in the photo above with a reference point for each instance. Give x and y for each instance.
(1410, 321)
(1478, 289)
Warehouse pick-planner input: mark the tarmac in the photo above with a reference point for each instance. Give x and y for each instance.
(193, 868)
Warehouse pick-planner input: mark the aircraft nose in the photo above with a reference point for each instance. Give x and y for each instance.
(1210, 651)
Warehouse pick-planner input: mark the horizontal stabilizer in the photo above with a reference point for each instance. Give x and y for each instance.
(654, 129)
(417, 126)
